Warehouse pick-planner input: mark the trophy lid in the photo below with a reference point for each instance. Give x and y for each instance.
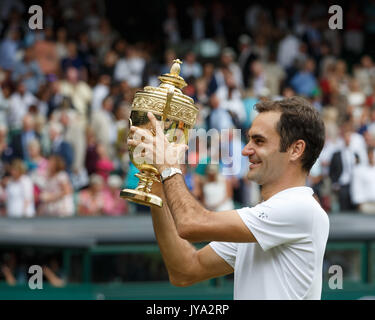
(167, 99)
(173, 77)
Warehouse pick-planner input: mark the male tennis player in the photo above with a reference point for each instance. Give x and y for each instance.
(276, 248)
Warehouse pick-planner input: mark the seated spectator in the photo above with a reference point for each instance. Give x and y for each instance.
(230, 99)
(104, 165)
(20, 140)
(79, 92)
(219, 118)
(91, 200)
(91, 157)
(37, 167)
(72, 58)
(28, 71)
(190, 67)
(19, 192)
(5, 150)
(59, 146)
(217, 191)
(57, 195)
(363, 185)
(113, 204)
(103, 123)
(8, 49)
(19, 104)
(304, 82)
(5, 92)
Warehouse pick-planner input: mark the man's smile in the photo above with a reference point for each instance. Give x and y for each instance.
(254, 164)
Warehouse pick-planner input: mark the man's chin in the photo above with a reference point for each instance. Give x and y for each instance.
(253, 177)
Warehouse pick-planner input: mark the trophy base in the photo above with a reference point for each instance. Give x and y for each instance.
(141, 197)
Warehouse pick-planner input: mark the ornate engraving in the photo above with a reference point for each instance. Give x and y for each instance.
(178, 111)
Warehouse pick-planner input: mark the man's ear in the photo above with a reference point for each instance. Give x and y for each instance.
(297, 149)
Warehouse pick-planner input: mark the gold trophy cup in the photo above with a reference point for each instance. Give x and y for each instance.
(178, 114)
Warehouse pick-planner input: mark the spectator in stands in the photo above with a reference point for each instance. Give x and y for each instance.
(103, 124)
(59, 146)
(57, 195)
(8, 49)
(219, 118)
(20, 140)
(104, 165)
(228, 62)
(229, 96)
(36, 162)
(74, 134)
(217, 190)
(19, 104)
(109, 63)
(28, 71)
(209, 77)
(5, 150)
(363, 185)
(341, 171)
(5, 93)
(191, 68)
(78, 91)
(61, 43)
(113, 204)
(258, 81)
(19, 192)
(304, 82)
(72, 59)
(92, 156)
(91, 200)
(100, 91)
(37, 168)
(246, 57)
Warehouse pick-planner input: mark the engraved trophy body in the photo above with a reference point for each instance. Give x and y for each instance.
(178, 114)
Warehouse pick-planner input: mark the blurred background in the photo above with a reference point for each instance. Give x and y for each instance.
(65, 99)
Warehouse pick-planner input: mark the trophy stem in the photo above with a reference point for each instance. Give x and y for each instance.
(146, 180)
(142, 193)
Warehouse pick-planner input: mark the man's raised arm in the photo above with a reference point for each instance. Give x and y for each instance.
(184, 263)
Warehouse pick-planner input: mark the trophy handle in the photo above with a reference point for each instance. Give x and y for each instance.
(168, 102)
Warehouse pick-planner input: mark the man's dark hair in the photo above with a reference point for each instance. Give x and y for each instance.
(298, 120)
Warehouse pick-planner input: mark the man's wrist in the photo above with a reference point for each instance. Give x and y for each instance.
(169, 172)
(162, 167)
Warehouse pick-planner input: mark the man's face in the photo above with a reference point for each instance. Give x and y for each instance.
(267, 163)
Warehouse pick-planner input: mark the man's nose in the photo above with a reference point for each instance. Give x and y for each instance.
(248, 151)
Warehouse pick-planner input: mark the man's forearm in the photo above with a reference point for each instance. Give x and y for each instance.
(185, 209)
(178, 254)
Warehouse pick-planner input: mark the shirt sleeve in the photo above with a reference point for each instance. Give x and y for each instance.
(226, 250)
(278, 222)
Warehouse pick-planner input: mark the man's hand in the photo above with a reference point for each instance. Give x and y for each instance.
(155, 148)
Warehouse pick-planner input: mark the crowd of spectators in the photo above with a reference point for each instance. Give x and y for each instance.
(66, 94)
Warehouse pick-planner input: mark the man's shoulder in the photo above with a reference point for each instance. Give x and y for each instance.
(296, 203)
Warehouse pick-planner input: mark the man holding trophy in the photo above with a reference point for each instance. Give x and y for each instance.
(276, 248)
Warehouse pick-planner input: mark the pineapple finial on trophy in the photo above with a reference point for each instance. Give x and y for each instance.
(176, 68)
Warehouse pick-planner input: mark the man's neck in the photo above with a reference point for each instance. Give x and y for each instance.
(270, 189)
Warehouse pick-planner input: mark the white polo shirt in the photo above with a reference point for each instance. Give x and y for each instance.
(286, 262)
